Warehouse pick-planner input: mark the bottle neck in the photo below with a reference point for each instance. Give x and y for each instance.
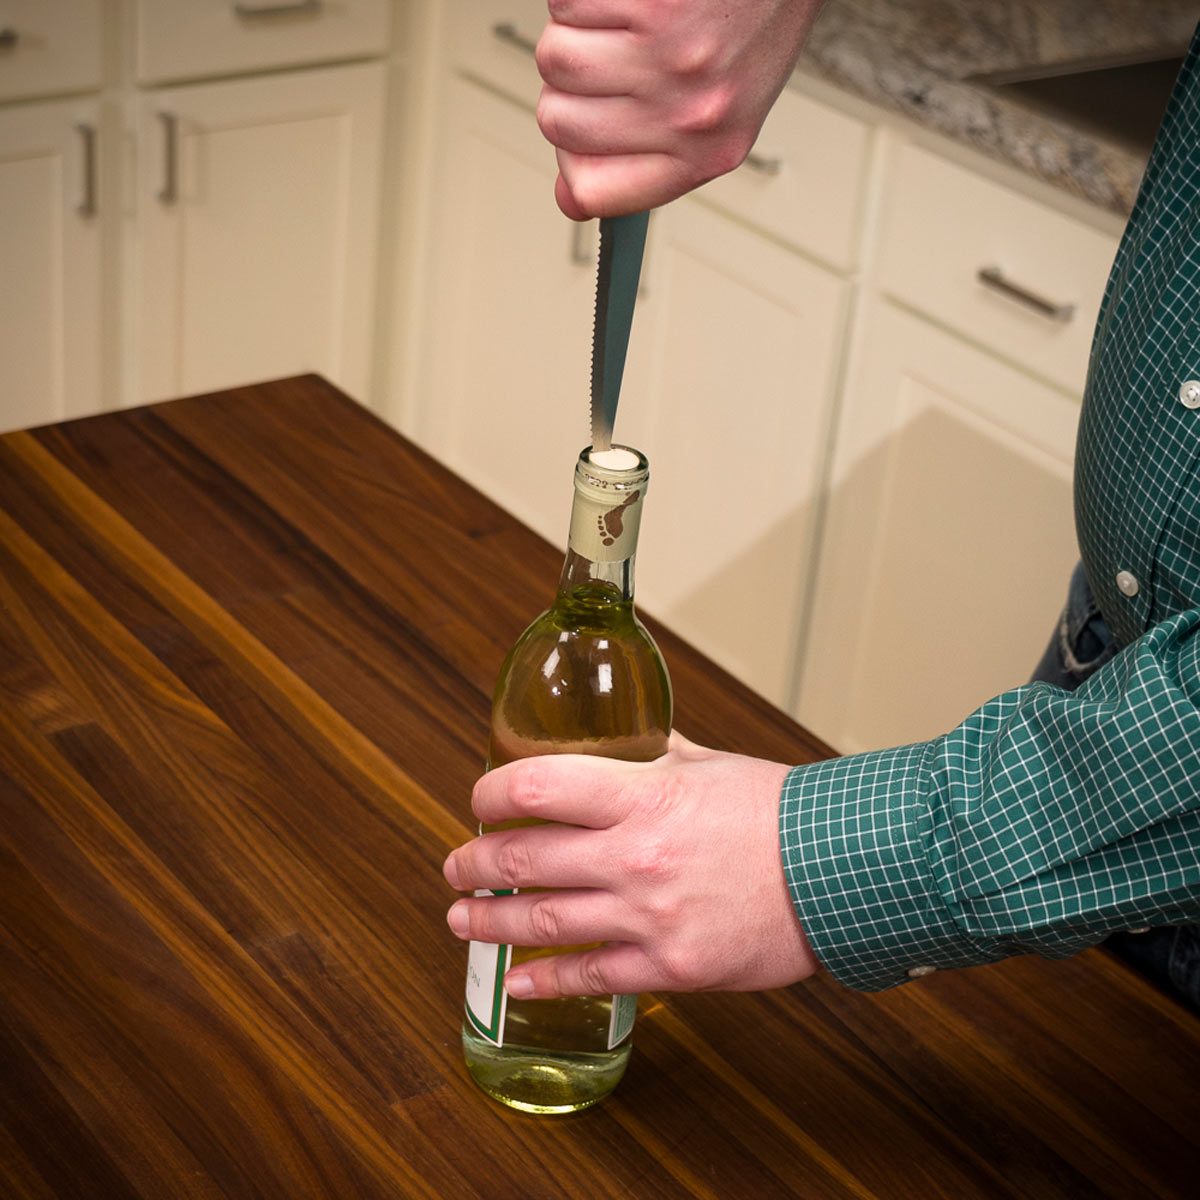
(614, 577)
(605, 519)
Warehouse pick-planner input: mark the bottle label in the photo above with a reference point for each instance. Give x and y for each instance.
(620, 1025)
(487, 1001)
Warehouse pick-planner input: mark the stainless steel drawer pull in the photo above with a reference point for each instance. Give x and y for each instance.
(763, 165)
(8, 37)
(579, 243)
(277, 10)
(169, 192)
(87, 205)
(507, 32)
(993, 278)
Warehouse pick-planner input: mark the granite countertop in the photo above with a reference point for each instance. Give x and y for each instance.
(922, 58)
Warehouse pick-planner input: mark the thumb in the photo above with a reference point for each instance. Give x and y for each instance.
(680, 744)
(566, 201)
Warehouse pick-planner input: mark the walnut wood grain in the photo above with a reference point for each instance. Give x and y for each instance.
(247, 645)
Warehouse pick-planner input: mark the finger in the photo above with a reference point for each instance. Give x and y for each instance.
(542, 856)
(617, 184)
(598, 124)
(594, 14)
(619, 969)
(590, 62)
(572, 789)
(563, 918)
(567, 204)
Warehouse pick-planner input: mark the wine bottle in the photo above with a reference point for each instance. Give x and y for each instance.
(584, 678)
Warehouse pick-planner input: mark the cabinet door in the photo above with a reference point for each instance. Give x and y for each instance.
(743, 344)
(504, 397)
(257, 215)
(50, 250)
(948, 540)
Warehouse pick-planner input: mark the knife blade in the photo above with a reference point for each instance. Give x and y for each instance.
(622, 243)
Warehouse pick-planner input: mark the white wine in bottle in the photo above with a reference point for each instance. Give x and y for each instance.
(584, 678)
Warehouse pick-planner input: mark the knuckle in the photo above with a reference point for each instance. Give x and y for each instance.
(479, 922)
(652, 860)
(707, 112)
(695, 56)
(592, 976)
(526, 787)
(546, 116)
(680, 969)
(544, 921)
(663, 911)
(546, 54)
(513, 864)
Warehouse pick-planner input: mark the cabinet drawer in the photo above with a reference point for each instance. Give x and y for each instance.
(46, 49)
(181, 39)
(493, 41)
(804, 180)
(947, 231)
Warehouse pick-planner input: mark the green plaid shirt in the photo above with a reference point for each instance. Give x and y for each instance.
(1049, 819)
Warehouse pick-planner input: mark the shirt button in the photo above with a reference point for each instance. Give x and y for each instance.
(1189, 393)
(919, 972)
(1128, 583)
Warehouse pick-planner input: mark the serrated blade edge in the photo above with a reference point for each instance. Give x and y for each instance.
(622, 244)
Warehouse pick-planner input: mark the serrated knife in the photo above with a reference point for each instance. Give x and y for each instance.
(622, 242)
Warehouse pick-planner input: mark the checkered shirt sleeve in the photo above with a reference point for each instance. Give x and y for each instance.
(1045, 821)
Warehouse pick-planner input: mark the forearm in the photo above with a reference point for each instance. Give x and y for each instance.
(1042, 823)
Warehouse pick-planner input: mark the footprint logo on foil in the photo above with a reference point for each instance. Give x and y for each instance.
(611, 524)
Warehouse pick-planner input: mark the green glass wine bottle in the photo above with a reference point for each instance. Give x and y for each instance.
(584, 678)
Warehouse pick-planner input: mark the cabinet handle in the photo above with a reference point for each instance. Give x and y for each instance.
(87, 205)
(277, 10)
(508, 33)
(579, 244)
(993, 278)
(169, 192)
(763, 165)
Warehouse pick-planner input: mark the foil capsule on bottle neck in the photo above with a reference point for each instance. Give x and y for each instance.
(607, 512)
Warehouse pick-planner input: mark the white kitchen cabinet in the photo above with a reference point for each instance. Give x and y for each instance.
(184, 39)
(51, 238)
(1001, 268)
(256, 231)
(742, 339)
(505, 386)
(781, 190)
(948, 537)
(49, 49)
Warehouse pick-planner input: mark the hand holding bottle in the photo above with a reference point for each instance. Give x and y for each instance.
(647, 99)
(674, 863)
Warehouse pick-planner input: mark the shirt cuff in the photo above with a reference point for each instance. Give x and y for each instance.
(856, 838)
